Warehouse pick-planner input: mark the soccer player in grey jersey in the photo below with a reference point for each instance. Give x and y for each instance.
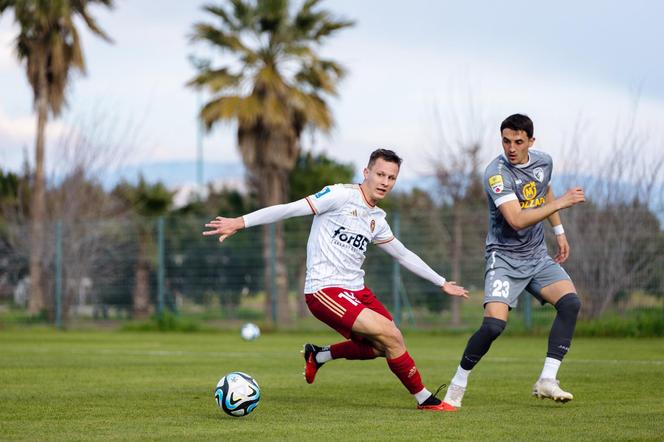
(517, 184)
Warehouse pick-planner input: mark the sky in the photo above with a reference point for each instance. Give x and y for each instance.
(413, 67)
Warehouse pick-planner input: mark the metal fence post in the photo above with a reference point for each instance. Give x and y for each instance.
(272, 229)
(396, 272)
(58, 274)
(528, 312)
(161, 271)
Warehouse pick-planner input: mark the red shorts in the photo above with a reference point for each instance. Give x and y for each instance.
(339, 307)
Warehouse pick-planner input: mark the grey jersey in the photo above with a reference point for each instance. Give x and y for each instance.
(526, 183)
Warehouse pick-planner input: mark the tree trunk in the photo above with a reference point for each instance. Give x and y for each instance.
(273, 192)
(457, 249)
(284, 313)
(38, 204)
(267, 271)
(142, 285)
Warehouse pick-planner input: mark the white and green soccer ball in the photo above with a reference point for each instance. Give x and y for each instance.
(237, 394)
(250, 331)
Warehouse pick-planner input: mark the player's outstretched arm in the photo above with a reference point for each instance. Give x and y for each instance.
(225, 227)
(561, 239)
(452, 289)
(520, 218)
(415, 264)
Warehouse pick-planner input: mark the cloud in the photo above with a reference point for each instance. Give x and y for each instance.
(17, 129)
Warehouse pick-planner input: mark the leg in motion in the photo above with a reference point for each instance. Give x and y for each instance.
(386, 338)
(315, 356)
(493, 324)
(560, 339)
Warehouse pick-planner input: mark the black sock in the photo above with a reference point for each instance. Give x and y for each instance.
(563, 326)
(480, 342)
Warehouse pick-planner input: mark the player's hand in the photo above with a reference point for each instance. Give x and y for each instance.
(563, 249)
(224, 227)
(452, 289)
(573, 196)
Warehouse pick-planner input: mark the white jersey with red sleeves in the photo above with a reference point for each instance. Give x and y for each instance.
(344, 225)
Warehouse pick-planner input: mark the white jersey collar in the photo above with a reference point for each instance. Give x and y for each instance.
(518, 166)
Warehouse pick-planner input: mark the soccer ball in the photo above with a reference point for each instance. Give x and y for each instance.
(250, 331)
(237, 394)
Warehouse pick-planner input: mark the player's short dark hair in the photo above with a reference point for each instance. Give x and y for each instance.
(518, 122)
(386, 154)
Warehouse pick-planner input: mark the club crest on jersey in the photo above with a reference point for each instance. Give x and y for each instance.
(530, 191)
(538, 172)
(372, 225)
(496, 183)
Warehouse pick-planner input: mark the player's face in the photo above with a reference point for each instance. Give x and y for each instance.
(516, 145)
(379, 180)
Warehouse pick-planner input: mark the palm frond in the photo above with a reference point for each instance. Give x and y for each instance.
(80, 7)
(244, 14)
(272, 15)
(245, 109)
(221, 39)
(216, 80)
(327, 28)
(227, 19)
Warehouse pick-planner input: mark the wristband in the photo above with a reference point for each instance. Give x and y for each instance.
(558, 230)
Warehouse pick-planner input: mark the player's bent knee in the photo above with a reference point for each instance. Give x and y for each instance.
(391, 337)
(569, 304)
(492, 327)
(397, 337)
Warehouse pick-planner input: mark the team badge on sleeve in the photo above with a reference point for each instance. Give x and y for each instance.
(496, 183)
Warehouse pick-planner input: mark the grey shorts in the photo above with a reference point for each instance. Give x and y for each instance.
(505, 278)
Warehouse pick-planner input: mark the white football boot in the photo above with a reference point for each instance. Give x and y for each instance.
(550, 388)
(454, 395)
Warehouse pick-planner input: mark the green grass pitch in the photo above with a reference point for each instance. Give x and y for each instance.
(151, 386)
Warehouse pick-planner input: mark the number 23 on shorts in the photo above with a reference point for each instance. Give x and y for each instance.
(501, 289)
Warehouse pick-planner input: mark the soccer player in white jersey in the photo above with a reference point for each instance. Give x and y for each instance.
(346, 221)
(517, 184)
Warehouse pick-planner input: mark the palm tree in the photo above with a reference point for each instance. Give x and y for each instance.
(276, 87)
(49, 45)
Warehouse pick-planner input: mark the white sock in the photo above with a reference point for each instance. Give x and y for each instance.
(422, 395)
(323, 356)
(461, 377)
(550, 370)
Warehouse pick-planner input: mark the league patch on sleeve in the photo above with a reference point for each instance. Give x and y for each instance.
(326, 190)
(496, 183)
